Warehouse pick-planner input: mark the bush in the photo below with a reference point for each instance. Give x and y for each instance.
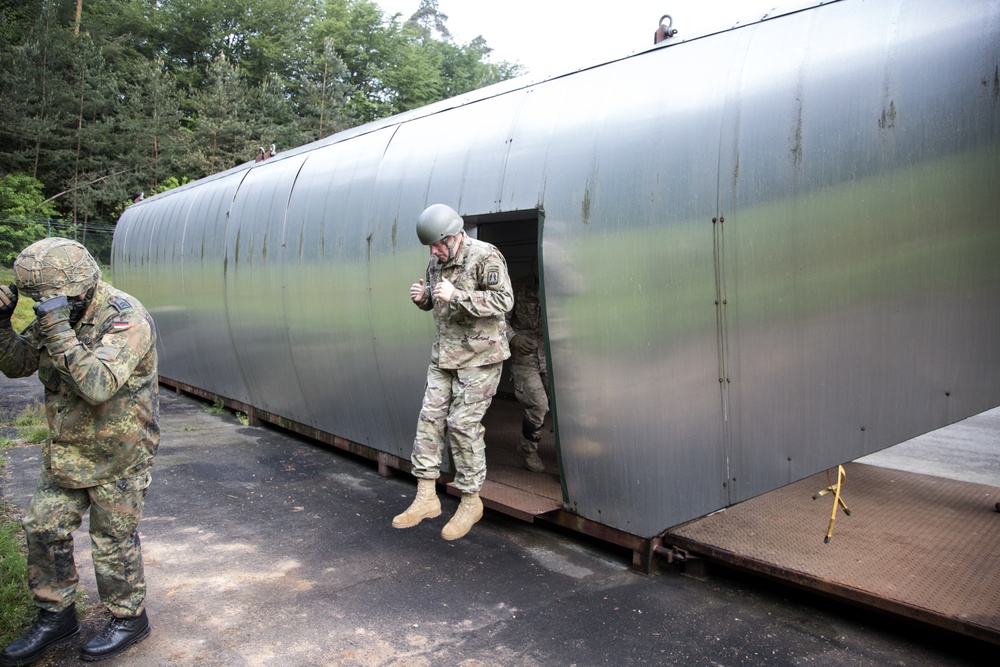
(22, 213)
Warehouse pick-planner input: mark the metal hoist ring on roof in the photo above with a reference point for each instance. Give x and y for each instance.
(664, 31)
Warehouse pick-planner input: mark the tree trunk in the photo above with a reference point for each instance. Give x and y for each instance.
(79, 139)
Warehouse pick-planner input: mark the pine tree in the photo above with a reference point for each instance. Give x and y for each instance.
(222, 136)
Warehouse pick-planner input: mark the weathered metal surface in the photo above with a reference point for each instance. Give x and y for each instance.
(780, 257)
(919, 546)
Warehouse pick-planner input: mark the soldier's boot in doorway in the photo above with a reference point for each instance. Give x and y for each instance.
(532, 462)
(469, 511)
(49, 629)
(425, 506)
(529, 448)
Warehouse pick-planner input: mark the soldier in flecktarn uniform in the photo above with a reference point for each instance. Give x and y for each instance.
(468, 289)
(94, 348)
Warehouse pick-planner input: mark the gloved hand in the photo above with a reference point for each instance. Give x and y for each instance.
(523, 344)
(53, 317)
(8, 302)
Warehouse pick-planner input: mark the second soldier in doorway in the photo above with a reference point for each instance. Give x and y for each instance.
(468, 289)
(528, 370)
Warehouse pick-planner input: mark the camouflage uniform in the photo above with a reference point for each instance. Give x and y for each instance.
(101, 401)
(467, 357)
(529, 372)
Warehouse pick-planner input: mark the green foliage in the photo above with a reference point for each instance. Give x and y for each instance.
(323, 94)
(36, 435)
(32, 424)
(21, 196)
(222, 130)
(218, 407)
(16, 607)
(177, 89)
(32, 415)
(22, 214)
(169, 184)
(151, 118)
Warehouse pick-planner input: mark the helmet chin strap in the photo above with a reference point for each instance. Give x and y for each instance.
(78, 305)
(451, 247)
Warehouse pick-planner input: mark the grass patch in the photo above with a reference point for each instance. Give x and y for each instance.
(17, 610)
(16, 607)
(36, 435)
(217, 408)
(32, 415)
(31, 424)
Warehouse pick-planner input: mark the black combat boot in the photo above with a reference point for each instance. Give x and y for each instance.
(117, 635)
(49, 629)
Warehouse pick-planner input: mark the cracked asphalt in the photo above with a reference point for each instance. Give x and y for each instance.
(263, 548)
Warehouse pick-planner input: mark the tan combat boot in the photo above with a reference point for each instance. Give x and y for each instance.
(425, 506)
(469, 511)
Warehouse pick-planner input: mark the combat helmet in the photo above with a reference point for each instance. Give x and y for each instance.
(55, 266)
(437, 222)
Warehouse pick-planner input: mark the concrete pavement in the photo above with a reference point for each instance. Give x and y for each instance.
(263, 548)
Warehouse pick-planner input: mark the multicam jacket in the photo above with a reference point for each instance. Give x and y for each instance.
(525, 319)
(101, 395)
(470, 328)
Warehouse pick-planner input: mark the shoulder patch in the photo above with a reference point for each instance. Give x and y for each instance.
(492, 276)
(121, 304)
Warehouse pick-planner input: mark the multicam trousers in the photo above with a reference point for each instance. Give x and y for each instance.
(455, 401)
(531, 388)
(115, 510)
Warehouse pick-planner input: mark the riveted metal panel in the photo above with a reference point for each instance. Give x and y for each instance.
(329, 304)
(860, 202)
(628, 164)
(256, 292)
(174, 263)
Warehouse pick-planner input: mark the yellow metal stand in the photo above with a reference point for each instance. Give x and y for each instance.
(837, 500)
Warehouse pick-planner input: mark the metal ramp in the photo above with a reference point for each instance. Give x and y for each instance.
(518, 503)
(915, 545)
(509, 487)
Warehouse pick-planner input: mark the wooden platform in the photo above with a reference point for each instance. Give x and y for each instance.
(510, 487)
(923, 547)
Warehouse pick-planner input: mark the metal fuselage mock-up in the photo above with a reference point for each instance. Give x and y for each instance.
(763, 252)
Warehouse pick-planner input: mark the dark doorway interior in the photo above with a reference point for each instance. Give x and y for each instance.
(510, 487)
